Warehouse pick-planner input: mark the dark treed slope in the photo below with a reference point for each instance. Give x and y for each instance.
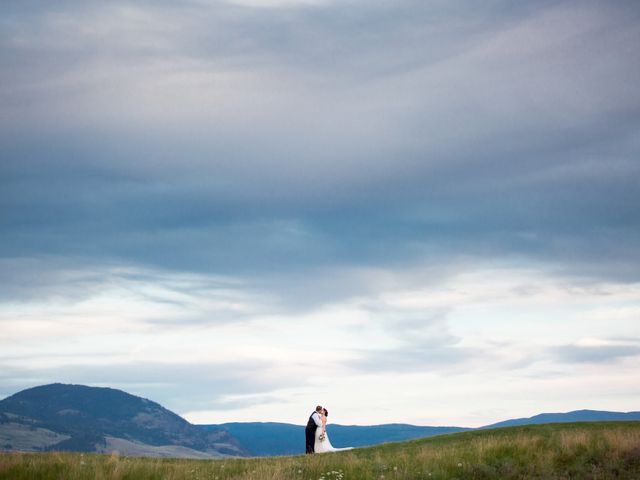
(81, 418)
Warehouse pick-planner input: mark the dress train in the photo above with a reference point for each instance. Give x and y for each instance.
(324, 446)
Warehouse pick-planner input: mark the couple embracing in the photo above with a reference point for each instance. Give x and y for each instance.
(315, 433)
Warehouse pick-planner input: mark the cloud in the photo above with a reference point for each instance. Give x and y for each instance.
(177, 386)
(439, 176)
(428, 358)
(48, 297)
(419, 331)
(418, 338)
(596, 354)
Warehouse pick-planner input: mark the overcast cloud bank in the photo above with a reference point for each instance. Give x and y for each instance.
(446, 192)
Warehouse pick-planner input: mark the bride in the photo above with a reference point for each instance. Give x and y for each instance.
(322, 443)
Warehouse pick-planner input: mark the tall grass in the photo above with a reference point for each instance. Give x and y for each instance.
(558, 451)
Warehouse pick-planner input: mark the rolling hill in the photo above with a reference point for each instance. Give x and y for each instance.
(91, 419)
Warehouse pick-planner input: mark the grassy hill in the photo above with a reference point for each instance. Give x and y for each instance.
(598, 450)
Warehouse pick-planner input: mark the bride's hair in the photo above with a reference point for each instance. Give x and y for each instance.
(326, 412)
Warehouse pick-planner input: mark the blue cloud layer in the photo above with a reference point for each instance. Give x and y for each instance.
(356, 133)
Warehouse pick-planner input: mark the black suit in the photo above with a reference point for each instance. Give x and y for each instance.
(310, 433)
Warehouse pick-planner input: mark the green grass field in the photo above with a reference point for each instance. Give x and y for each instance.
(599, 450)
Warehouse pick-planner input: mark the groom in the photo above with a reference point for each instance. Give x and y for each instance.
(310, 432)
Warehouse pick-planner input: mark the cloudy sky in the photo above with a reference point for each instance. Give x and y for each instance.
(406, 210)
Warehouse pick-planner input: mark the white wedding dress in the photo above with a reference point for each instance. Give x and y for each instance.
(324, 446)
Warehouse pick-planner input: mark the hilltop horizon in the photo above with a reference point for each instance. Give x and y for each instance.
(512, 421)
(81, 418)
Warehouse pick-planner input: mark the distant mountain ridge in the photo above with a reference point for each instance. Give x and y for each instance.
(574, 416)
(270, 438)
(93, 419)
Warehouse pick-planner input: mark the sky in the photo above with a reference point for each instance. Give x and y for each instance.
(408, 211)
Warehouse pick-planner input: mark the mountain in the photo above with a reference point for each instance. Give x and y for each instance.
(574, 416)
(267, 439)
(92, 419)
